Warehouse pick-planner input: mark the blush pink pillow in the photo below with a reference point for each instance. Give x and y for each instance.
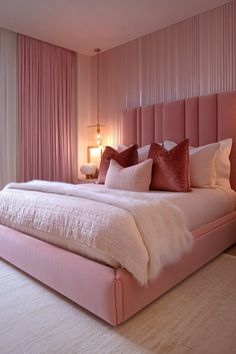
(136, 178)
(126, 158)
(170, 170)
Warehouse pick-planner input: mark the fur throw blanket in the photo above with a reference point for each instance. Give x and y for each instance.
(142, 235)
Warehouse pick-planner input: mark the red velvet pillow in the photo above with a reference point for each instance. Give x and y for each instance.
(170, 170)
(126, 158)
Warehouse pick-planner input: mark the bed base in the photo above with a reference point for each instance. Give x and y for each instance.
(111, 294)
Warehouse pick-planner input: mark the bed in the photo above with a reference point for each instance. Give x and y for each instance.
(110, 291)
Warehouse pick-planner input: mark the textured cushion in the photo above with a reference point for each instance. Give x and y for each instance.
(125, 158)
(221, 169)
(170, 170)
(142, 151)
(135, 178)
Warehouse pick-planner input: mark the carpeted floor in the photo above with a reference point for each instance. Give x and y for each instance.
(196, 317)
(231, 250)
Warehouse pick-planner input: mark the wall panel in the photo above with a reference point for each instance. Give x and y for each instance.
(191, 58)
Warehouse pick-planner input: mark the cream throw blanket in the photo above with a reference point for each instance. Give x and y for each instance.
(142, 235)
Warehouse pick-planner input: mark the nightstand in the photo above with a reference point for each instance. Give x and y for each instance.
(84, 180)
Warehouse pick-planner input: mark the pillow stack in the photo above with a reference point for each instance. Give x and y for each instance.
(126, 158)
(173, 167)
(209, 164)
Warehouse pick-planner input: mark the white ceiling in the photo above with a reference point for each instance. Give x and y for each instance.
(83, 25)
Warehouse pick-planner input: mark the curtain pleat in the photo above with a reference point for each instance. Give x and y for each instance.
(8, 107)
(47, 120)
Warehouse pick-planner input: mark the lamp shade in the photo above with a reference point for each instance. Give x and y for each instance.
(94, 155)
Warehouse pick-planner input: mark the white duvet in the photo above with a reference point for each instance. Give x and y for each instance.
(142, 235)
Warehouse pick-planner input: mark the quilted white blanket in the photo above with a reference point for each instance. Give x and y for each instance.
(142, 236)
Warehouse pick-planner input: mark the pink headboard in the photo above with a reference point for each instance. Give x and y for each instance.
(204, 120)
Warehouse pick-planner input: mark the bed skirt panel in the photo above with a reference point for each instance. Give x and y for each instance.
(87, 283)
(111, 294)
(208, 245)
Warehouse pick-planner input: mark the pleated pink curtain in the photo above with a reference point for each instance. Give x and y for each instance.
(47, 140)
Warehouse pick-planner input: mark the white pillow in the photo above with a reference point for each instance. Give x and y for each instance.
(142, 151)
(222, 162)
(134, 178)
(202, 165)
(168, 145)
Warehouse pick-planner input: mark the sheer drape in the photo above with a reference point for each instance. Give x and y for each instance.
(46, 116)
(8, 107)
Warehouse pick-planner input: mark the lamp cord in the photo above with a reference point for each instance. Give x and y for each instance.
(97, 50)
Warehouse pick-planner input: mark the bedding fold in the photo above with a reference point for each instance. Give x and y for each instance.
(142, 235)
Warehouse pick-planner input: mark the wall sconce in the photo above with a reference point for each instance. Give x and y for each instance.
(98, 134)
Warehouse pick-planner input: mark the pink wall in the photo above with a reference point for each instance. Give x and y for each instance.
(193, 57)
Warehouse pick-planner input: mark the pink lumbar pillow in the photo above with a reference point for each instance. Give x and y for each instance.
(136, 178)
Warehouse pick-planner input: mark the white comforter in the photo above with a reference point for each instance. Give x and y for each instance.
(142, 235)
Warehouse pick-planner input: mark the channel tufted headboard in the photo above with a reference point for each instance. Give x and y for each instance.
(204, 120)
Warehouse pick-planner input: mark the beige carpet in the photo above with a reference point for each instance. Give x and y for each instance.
(197, 317)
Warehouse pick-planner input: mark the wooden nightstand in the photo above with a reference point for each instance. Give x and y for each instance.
(84, 180)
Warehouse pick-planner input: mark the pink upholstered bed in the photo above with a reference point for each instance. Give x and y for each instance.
(113, 294)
